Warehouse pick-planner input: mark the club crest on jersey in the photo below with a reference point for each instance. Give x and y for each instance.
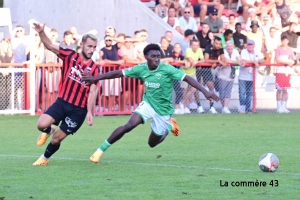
(158, 76)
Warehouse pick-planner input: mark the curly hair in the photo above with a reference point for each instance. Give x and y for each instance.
(150, 47)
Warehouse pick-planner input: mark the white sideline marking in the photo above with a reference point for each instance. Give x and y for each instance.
(152, 164)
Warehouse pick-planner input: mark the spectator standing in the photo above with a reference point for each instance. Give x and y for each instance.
(178, 58)
(250, 55)
(5, 78)
(256, 35)
(213, 54)
(285, 56)
(252, 17)
(112, 87)
(226, 75)
(271, 43)
(109, 31)
(193, 55)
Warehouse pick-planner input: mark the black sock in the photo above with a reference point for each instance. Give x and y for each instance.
(199, 104)
(51, 149)
(46, 130)
(211, 104)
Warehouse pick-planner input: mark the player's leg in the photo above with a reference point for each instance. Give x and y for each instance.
(53, 115)
(154, 139)
(70, 124)
(161, 126)
(117, 134)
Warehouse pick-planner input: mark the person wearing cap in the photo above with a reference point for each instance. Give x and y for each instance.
(267, 24)
(250, 55)
(215, 24)
(204, 7)
(185, 42)
(285, 56)
(256, 35)
(252, 16)
(187, 21)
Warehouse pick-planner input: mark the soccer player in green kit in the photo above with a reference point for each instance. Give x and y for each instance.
(157, 103)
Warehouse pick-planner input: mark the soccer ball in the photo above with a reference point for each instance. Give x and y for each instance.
(268, 162)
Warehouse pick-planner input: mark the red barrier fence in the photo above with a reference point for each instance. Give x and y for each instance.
(115, 97)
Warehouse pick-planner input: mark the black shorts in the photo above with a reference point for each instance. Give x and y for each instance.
(70, 116)
(206, 74)
(240, 10)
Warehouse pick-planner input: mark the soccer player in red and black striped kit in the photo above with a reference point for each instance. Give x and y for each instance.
(75, 100)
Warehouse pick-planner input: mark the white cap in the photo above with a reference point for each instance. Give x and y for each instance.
(251, 10)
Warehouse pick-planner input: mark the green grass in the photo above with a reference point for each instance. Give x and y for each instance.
(210, 148)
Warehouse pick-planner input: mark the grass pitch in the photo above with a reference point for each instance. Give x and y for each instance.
(210, 149)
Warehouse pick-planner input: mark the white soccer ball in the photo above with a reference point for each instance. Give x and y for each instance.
(268, 162)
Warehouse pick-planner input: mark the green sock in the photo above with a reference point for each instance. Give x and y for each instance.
(170, 127)
(104, 146)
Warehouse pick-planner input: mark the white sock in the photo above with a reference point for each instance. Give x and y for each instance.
(283, 104)
(278, 105)
(42, 156)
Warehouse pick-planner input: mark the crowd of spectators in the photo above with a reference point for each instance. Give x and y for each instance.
(206, 39)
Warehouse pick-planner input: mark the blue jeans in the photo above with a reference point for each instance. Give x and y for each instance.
(245, 94)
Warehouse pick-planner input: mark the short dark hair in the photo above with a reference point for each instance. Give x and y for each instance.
(204, 24)
(217, 38)
(150, 47)
(228, 32)
(238, 24)
(284, 38)
(53, 30)
(272, 28)
(231, 15)
(67, 33)
(194, 40)
(144, 30)
(136, 32)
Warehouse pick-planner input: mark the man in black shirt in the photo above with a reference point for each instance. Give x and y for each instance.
(240, 40)
(213, 54)
(204, 36)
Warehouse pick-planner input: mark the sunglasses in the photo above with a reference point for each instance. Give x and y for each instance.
(186, 12)
(19, 31)
(214, 14)
(107, 40)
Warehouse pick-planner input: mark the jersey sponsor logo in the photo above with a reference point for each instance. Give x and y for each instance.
(152, 85)
(75, 75)
(158, 76)
(70, 123)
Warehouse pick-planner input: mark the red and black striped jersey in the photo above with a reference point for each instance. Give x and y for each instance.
(71, 87)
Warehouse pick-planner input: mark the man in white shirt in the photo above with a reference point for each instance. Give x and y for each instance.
(226, 75)
(172, 13)
(249, 56)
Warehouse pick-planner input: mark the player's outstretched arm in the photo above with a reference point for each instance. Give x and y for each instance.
(198, 86)
(110, 75)
(46, 41)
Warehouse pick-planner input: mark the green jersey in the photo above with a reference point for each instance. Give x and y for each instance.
(158, 85)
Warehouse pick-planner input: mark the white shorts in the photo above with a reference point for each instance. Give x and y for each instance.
(52, 79)
(111, 87)
(159, 124)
